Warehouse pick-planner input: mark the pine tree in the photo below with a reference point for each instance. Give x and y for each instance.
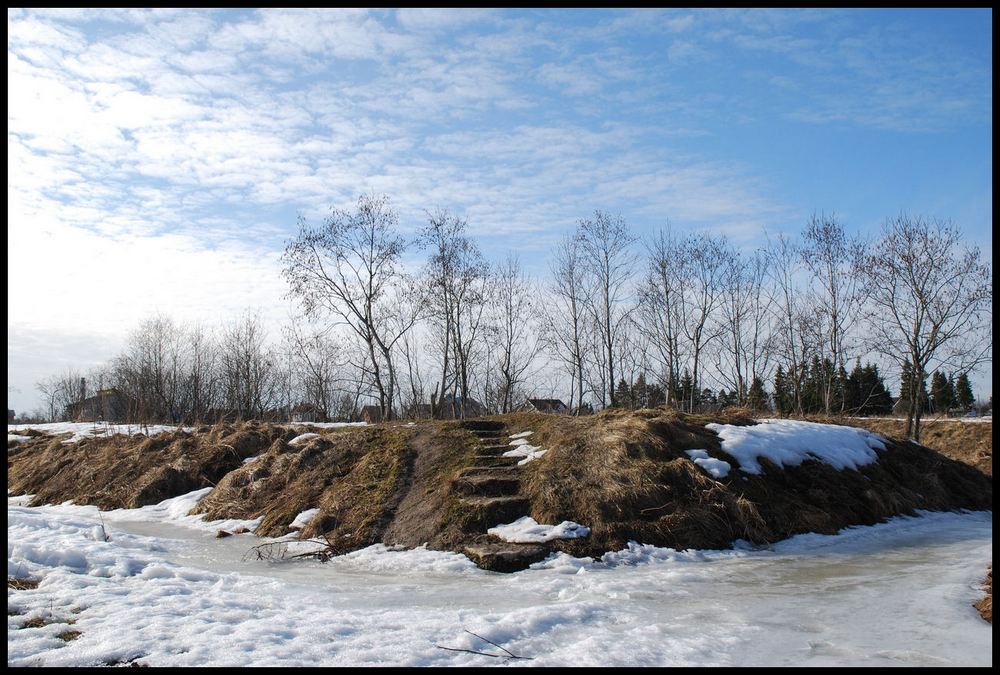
(623, 395)
(782, 404)
(963, 392)
(757, 397)
(904, 385)
(941, 393)
(686, 386)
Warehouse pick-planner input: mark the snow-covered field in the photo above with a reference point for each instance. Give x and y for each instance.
(155, 585)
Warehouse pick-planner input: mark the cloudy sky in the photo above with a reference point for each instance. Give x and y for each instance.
(158, 160)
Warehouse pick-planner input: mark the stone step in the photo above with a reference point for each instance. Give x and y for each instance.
(491, 470)
(482, 425)
(486, 434)
(496, 460)
(493, 449)
(488, 485)
(491, 511)
(505, 557)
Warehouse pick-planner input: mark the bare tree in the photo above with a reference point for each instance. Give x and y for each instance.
(661, 307)
(60, 392)
(248, 368)
(202, 387)
(830, 256)
(317, 362)
(606, 246)
(456, 278)
(349, 268)
(512, 330)
(930, 302)
(791, 341)
(564, 326)
(151, 371)
(744, 317)
(704, 264)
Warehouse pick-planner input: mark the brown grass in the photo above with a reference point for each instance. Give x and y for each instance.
(624, 474)
(22, 584)
(985, 606)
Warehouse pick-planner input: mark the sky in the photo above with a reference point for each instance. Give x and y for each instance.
(158, 160)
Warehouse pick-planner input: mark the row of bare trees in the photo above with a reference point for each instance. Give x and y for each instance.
(463, 336)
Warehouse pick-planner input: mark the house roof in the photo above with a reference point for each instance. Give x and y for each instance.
(546, 403)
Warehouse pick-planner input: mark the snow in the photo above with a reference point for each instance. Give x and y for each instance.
(170, 595)
(331, 425)
(303, 519)
(791, 442)
(302, 439)
(523, 449)
(81, 430)
(716, 468)
(528, 452)
(17, 438)
(525, 530)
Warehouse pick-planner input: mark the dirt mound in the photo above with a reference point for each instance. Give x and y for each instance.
(969, 442)
(625, 475)
(633, 480)
(131, 471)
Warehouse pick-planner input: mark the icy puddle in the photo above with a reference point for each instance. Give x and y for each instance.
(893, 594)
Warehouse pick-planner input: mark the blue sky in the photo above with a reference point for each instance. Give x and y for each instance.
(157, 159)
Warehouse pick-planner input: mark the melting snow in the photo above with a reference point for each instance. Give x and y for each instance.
(303, 519)
(302, 439)
(791, 442)
(714, 467)
(526, 530)
(81, 430)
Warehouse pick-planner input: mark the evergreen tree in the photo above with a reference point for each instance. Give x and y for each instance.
(782, 403)
(905, 376)
(686, 386)
(942, 396)
(757, 397)
(623, 395)
(963, 392)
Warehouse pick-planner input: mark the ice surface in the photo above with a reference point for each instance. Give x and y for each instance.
(892, 594)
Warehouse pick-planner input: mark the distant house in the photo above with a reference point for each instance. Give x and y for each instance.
(306, 412)
(552, 406)
(10, 416)
(371, 414)
(452, 408)
(107, 405)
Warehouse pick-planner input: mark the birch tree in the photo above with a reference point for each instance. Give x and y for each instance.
(930, 302)
(348, 268)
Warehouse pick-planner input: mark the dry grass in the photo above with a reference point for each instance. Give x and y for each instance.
(985, 606)
(22, 584)
(624, 474)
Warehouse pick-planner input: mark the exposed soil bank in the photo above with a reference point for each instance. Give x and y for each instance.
(623, 474)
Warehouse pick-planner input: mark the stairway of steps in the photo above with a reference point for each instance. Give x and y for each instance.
(491, 493)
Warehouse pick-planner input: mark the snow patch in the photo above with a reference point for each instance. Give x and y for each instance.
(523, 434)
(526, 530)
(791, 442)
(716, 468)
(81, 430)
(302, 439)
(528, 452)
(303, 519)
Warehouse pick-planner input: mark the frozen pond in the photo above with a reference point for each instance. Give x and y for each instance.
(893, 594)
